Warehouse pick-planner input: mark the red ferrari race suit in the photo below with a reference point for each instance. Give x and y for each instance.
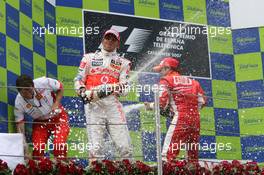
(185, 97)
(44, 121)
(107, 114)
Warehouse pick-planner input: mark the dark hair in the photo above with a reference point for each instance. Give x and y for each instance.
(24, 81)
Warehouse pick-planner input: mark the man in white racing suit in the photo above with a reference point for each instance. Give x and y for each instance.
(97, 73)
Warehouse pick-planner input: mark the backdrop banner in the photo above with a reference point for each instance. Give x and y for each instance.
(145, 41)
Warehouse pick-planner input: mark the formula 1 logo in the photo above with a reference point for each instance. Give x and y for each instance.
(136, 40)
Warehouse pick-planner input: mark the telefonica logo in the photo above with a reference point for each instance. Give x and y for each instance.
(147, 2)
(13, 91)
(207, 119)
(38, 8)
(248, 66)
(255, 121)
(12, 55)
(49, 15)
(67, 80)
(254, 149)
(223, 93)
(220, 39)
(28, 2)
(217, 13)
(40, 70)
(12, 22)
(195, 9)
(246, 40)
(225, 122)
(124, 1)
(39, 39)
(2, 118)
(222, 66)
(70, 51)
(250, 94)
(171, 6)
(67, 20)
(2, 50)
(26, 63)
(50, 45)
(25, 30)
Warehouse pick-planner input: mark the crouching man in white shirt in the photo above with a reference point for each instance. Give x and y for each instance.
(40, 99)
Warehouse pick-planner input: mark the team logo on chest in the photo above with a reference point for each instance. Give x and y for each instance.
(28, 106)
(116, 64)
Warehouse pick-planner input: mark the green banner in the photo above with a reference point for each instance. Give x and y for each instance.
(78, 143)
(228, 148)
(69, 21)
(26, 31)
(248, 67)
(2, 17)
(136, 141)
(195, 11)
(261, 37)
(38, 12)
(51, 47)
(148, 8)
(11, 117)
(39, 64)
(220, 40)
(3, 83)
(12, 56)
(207, 121)
(251, 121)
(14, 3)
(66, 74)
(224, 94)
(100, 5)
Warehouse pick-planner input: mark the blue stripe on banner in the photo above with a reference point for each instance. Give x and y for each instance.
(118, 6)
(171, 9)
(26, 7)
(11, 91)
(2, 50)
(70, 50)
(226, 122)
(3, 116)
(26, 61)
(51, 69)
(12, 22)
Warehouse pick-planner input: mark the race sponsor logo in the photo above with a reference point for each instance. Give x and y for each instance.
(97, 63)
(104, 79)
(98, 70)
(116, 64)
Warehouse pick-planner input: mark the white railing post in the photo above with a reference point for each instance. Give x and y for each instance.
(158, 132)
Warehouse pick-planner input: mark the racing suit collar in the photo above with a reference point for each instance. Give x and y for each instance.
(106, 53)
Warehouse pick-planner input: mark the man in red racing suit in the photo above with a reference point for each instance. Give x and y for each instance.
(183, 97)
(106, 114)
